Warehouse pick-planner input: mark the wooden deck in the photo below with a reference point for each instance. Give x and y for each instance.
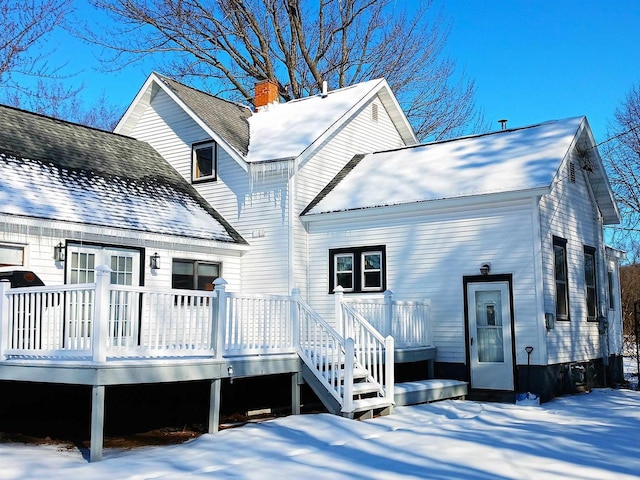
(103, 335)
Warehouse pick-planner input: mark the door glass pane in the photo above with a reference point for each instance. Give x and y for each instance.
(489, 326)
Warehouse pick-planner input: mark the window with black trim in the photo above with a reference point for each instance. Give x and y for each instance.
(561, 278)
(611, 281)
(193, 274)
(591, 291)
(358, 269)
(204, 158)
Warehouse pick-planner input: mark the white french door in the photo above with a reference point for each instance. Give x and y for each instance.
(490, 345)
(81, 264)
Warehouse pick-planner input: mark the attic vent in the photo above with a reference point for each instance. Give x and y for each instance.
(374, 112)
(572, 172)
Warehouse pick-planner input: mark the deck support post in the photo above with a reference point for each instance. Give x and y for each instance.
(296, 380)
(214, 405)
(97, 423)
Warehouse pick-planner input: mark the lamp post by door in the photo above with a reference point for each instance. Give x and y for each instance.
(528, 350)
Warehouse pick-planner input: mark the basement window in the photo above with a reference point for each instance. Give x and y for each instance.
(204, 158)
(358, 269)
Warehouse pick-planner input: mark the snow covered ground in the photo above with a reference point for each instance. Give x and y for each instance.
(586, 436)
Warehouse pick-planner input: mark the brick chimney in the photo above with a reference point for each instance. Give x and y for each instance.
(266, 93)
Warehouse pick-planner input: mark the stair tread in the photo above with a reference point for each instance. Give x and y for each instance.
(365, 387)
(370, 403)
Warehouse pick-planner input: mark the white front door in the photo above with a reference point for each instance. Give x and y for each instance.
(490, 347)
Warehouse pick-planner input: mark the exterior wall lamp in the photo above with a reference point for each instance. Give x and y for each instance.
(154, 261)
(485, 268)
(58, 252)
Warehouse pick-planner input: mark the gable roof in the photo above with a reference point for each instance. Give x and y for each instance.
(225, 122)
(57, 170)
(516, 160)
(287, 130)
(278, 131)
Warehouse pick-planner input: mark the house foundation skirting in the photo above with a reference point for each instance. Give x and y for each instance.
(549, 381)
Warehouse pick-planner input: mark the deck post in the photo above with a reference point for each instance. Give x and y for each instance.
(5, 285)
(388, 312)
(295, 318)
(214, 405)
(100, 324)
(220, 287)
(97, 423)
(338, 296)
(349, 365)
(389, 376)
(296, 379)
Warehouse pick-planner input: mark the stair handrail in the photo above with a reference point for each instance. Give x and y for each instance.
(369, 347)
(328, 350)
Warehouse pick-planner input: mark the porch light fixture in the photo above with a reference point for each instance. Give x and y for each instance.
(485, 268)
(58, 252)
(154, 261)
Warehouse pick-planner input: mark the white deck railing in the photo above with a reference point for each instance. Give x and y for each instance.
(408, 322)
(323, 350)
(99, 320)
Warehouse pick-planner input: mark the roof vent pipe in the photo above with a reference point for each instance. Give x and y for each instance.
(325, 89)
(503, 123)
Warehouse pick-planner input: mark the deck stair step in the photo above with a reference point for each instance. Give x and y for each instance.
(364, 388)
(425, 391)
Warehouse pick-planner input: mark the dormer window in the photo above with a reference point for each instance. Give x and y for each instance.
(204, 158)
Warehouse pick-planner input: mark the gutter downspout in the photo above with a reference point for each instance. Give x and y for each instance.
(291, 227)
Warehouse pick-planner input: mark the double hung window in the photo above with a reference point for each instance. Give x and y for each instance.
(357, 269)
(561, 278)
(590, 281)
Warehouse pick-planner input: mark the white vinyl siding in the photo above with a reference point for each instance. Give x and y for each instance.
(427, 256)
(569, 212)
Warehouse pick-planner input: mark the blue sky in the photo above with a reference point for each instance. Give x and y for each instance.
(541, 60)
(531, 60)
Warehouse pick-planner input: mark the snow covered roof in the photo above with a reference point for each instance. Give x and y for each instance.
(57, 170)
(286, 130)
(278, 131)
(505, 161)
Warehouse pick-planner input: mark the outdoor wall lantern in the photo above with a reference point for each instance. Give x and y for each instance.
(485, 268)
(58, 252)
(154, 261)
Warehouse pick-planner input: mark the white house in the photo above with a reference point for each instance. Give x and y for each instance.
(332, 228)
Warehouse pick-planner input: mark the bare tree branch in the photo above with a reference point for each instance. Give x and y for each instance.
(299, 44)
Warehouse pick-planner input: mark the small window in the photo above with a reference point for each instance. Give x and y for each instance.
(357, 269)
(11, 255)
(561, 278)
(590, 283)
(205, 161)
(194, 275)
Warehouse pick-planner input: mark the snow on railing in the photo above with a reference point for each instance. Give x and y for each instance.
(408, 322)
(373, 352)
(323, 350)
